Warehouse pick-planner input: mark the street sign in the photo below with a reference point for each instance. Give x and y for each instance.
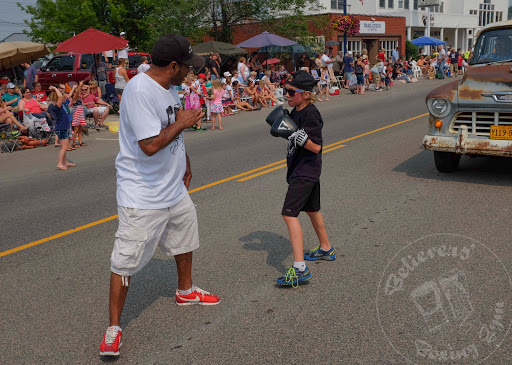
(425, 3)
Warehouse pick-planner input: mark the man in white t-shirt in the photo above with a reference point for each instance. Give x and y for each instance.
(441, 60)
(153, 175)
(326, 60)
(122, 53)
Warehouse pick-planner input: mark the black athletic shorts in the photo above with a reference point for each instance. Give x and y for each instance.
(303, 196)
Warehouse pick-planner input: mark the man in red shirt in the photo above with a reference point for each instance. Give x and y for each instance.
(94, 108)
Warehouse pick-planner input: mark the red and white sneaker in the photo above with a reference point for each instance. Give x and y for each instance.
(198, 296)
(111, 341)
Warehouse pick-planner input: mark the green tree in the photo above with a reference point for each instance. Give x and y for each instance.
(218, 17)
(53, 21)
(411, 50)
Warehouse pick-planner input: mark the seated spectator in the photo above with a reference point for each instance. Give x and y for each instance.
(422, 64)
(253, 76)
(3, 89)
(95, 89)
(29, 105)
(268, 82)
(243, 105)
(38, 94)
(99, 109)
(33, 111)
(6, 116)
(399, 74)
(252, 92)
(12, 97)
(268, 95)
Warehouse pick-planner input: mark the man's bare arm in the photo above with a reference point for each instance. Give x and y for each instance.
(184, 119)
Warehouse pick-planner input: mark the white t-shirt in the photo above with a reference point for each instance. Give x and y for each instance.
(109, 53)
(227, 93)
(326, 58)
(143, 67)
(149, 182)
(123, 53)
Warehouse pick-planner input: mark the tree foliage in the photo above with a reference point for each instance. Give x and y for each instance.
(53, 21)
(411, 50)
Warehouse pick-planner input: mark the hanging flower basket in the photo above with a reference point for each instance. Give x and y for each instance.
(346, 24)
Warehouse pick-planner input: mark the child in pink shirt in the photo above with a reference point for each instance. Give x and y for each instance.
(217, 108)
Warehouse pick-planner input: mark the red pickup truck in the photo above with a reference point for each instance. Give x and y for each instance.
(68, 67)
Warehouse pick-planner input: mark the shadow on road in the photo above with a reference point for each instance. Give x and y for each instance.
(278, 248)
(480, 170)
(158, 279)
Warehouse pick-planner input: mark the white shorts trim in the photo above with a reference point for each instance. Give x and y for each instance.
(174, 230)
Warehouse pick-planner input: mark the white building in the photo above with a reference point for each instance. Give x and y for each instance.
(455, 21)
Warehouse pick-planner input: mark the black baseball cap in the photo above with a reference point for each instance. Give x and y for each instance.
(173, 47)
(303, 80)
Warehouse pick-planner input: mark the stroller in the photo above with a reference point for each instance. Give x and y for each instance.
(352, 84)
(111, 96)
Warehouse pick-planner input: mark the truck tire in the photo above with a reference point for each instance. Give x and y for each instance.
(446, 161)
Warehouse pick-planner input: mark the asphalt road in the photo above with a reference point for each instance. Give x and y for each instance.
(382, 199)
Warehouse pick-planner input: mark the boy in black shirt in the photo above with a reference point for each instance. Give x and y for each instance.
(304, 160)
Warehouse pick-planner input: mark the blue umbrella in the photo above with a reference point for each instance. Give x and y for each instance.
(427, 41)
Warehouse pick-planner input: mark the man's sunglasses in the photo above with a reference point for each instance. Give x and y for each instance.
(84, 89)
(291, 92)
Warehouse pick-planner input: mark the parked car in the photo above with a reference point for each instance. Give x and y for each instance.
(68, 67)
(473, 116)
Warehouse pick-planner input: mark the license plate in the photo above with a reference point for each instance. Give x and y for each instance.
(501, 132)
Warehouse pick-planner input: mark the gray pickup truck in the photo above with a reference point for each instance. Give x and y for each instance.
(473, 116)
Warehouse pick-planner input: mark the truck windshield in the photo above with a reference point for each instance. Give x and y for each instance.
(493, 46)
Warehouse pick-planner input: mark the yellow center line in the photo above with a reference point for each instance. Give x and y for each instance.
(280, 167)
(104, 220)
(263, 172)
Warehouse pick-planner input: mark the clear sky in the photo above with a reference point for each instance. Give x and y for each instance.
(12, 17)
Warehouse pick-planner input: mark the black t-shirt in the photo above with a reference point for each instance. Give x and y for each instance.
(454, 57)
(213, 65)
(302, 163)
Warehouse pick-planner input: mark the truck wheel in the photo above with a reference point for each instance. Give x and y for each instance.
(446, 161)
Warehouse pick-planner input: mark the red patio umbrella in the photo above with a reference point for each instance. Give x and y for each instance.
(271, 61)
(92, 41)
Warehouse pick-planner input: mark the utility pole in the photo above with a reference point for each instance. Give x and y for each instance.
(345, 34)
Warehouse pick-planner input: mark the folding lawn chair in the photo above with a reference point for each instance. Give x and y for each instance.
(333, 79)
(9, 139)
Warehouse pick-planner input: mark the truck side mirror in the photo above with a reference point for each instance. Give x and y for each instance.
(42, 68)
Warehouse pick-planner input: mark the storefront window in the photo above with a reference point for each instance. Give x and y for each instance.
(390, 4)
(388, 46)
(400, 4)
(382, 3)
(406, 4)
(415, 4)
(333, 4)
